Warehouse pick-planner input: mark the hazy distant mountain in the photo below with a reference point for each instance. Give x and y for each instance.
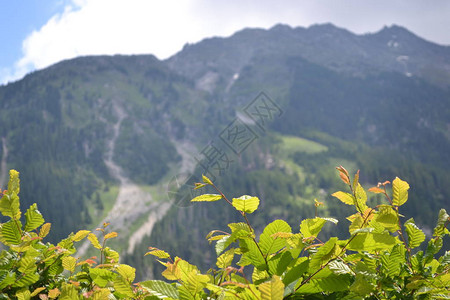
(98, 138)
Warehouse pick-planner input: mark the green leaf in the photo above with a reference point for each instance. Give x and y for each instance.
(122, 286)
(160, 289)
(94, 241)
(267, 243)
(324, 253)
(157, 252)
(330, 283)
(279, 263)
(7, 277)
(68, 292)
(10, 232)
(339, 267)
(272, 290)
(10, 205)
(101, 277)
(26, 280)
(81, 234)
(399, 191)
(27, 264)
(393, 260)
(252, 254)
(345, 197)
(111, 256)
(33, 218)
(415, 235)
(246, 204)
(225, 259)
(14, 182)
(361, 198)
(311, 227)
(387, 217)
(361, 286)
(23, 294)
(191, 277)
(207, 198)
(239, 226)
(297, 271)
(371, 241)
(434, 245)
(226, 241)
(127, 272)
(443, 219)
(206, 180)
(69, 263)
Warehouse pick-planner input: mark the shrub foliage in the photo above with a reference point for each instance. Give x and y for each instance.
(382, 257)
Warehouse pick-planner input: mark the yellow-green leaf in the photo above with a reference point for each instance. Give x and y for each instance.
(94, 241)
(172, 272)
(399, 191)
(10, 205)
(157, 252)
(225, 259)
(371, 241)
(33, 218)
(361, 198)
(344, 197)
(23, 294)
(415, 235)
(81, 234)
(37, 291)
(101, 277)
(311, 227)
(68, 292)
(246, 204)
(324, 253)
(10, 232)
(207, 198)
(161, 289)
(127, 272)
(45, 230)
(206, 180)
(14, 182)
(272, 290)
(69, 263)
(387, 217)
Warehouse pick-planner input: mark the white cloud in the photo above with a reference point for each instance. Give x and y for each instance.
(91, 27)
(162, 27)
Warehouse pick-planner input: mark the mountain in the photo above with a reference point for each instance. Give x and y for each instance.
(102, 138)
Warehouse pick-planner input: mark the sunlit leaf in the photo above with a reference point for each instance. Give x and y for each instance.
(33, 218)
(399, 191)
(272, 290)
(311, 227)
(267, 243)
(157, 252)
(45, 230)
(94, 241)
(81, 234)
(207, 198)
(415, 235)
(160, 289)
(246, 204)
(345, 197)
(69, 263)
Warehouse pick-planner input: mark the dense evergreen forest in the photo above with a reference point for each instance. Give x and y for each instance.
(85, 131)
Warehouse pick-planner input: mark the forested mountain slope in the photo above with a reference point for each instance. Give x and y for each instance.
(89, 131)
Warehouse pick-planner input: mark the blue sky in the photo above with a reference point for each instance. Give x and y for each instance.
(37, 33)
(17, 20)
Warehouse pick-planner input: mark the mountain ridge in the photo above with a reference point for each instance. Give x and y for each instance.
(347, 95)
